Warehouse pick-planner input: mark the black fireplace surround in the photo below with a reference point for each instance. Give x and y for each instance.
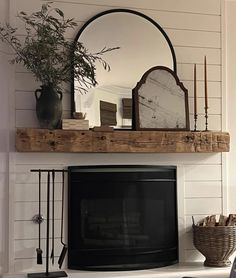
(122, 217)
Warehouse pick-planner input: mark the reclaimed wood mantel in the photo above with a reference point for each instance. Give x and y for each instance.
(125, 141)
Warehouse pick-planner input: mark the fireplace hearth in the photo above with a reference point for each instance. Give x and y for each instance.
(122, 217)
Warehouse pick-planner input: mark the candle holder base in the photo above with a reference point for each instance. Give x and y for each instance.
(206, 117)
(195, 121)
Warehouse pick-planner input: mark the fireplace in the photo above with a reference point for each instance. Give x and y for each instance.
(122, 217)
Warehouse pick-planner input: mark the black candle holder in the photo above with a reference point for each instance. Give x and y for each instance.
(195, 122)
(206, 118)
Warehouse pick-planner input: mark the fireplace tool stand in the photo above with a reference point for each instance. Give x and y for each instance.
(47, 273)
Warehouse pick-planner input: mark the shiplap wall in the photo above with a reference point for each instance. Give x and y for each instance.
(194, 27)
(4, 142)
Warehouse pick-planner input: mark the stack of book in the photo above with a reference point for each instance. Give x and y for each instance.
(75, 124)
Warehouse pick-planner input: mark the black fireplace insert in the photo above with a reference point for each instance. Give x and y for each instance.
(122, 217)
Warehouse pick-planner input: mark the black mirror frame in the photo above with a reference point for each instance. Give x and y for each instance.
(108, 12)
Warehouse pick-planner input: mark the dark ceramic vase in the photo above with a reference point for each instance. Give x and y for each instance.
(48, 107)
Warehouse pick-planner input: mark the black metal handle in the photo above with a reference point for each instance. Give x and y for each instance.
(48, 222)
(60, 94)
(39, 251)
(36, 93)
(62, 256)
(64, 249)
(53, 214)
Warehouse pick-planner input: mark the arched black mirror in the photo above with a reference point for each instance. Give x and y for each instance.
(143, 44)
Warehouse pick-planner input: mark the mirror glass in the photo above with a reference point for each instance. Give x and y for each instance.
(161, 101)
(143, 44)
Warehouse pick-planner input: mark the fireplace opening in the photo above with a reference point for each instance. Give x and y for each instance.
(122, 217)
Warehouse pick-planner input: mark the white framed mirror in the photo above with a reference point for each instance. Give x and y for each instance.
(143, 44)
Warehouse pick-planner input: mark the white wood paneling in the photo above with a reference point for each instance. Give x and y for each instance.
(136, 158)
(202, 173)
(185, 54)
(214, 122)
(166, 19)
(194, 255)
(194, 38)
(211, 7)
(26, 82)
(214, 88)
(26, 210)
(188, 239)
(30, 266)
(214, 105)
(201, 206)
(202, 189)
(24, 175)
(26, 248)
(27, 101)
(184, 21)
(204, 7)
(28, 118)
(28, 192)
(185, 72)
(28, 230)
(28, 161)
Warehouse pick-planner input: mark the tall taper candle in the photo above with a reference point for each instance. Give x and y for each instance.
(205, 82)
(195, 89)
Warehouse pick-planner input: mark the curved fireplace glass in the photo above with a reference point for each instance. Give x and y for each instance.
(122, 217)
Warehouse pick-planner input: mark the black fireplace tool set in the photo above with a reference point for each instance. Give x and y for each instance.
(51, 173)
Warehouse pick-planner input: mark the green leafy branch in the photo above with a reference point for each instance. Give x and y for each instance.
(47, 53)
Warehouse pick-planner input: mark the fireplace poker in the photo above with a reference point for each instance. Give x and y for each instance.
(53, 214)
(39, 251)
(64, 249)
(48, 222)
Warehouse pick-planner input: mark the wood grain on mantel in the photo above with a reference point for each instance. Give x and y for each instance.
(43, 140)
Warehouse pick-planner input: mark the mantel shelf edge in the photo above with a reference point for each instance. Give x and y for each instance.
(125, 141)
